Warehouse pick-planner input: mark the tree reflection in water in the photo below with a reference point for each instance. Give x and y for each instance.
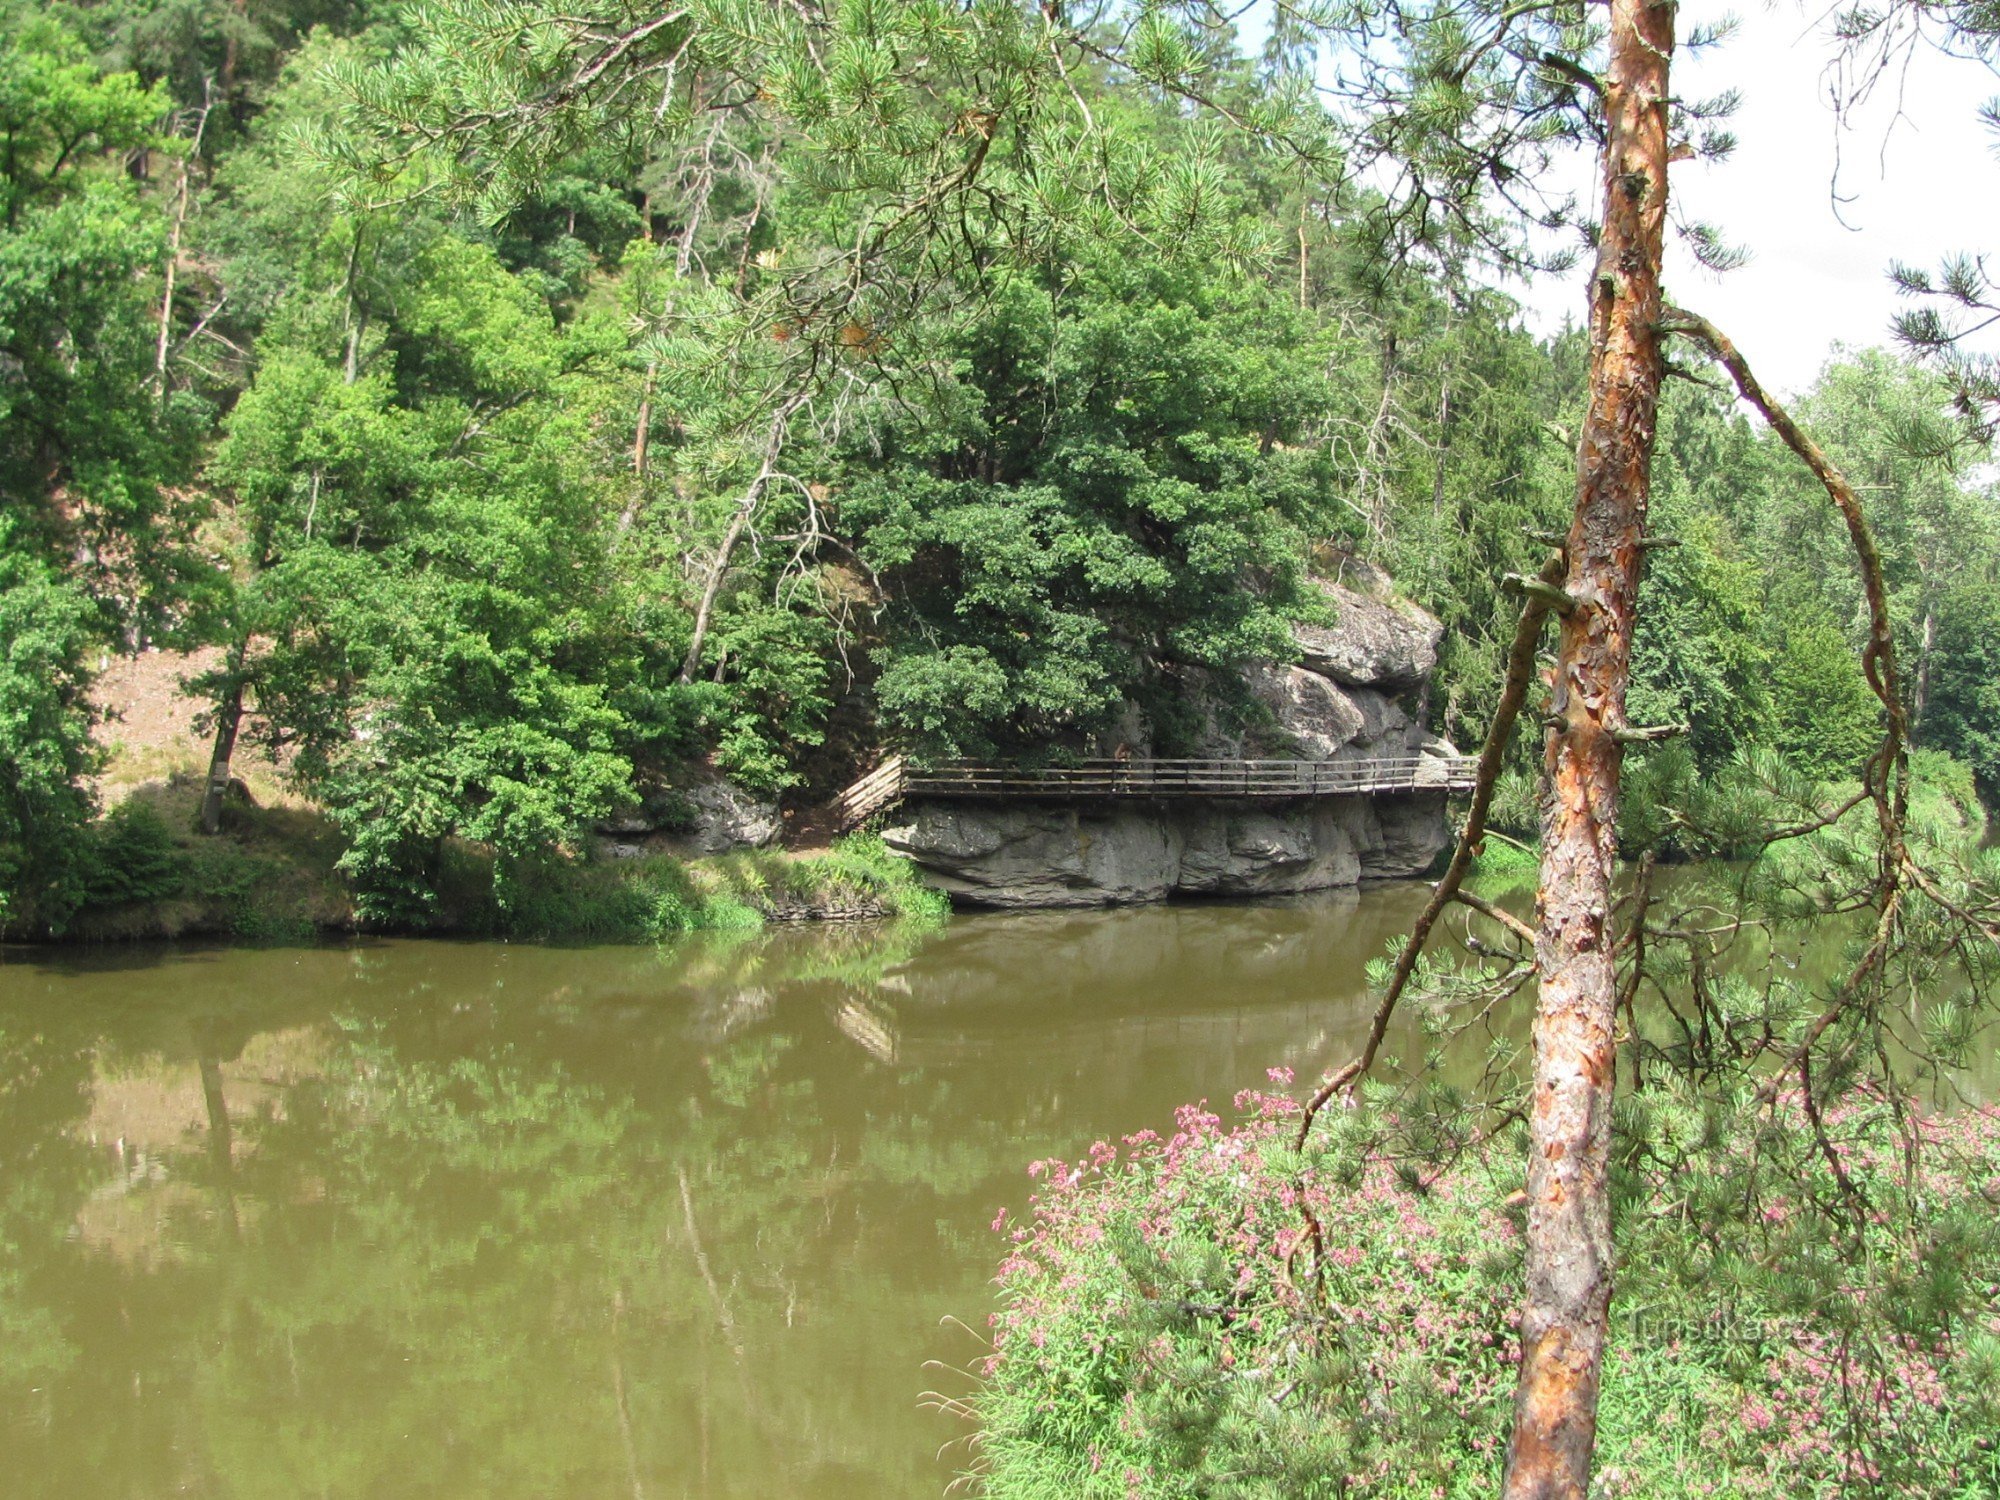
(434, 1219)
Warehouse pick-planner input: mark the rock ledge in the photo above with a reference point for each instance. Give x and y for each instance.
(1359, 693)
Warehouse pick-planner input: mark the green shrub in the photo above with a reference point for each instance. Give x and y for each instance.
(659, 897)
(46, 756)
(130, 855)
(1503, 865)
(572, 900)
(256, 896)
(653, 899)
(862, 863)
(727, 914)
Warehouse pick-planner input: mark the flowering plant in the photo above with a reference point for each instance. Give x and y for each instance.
(1217, 1313)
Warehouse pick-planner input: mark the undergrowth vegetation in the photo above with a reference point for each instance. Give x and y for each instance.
(278, 874)
(661, 896)
(1172, 1329)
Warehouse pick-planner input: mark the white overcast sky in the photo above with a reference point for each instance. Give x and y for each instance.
(1916, 172)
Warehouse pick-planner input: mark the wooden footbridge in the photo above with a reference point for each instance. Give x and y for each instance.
(1153, 781)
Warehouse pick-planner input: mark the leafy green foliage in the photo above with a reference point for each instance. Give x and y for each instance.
(46, 627)
(1098, 491)
(93, 539)
(1965, 685)
(1826, 720)
(432, 578)
(88, 443)
(774, 707)
(60, 116)
(1704, 656)
(131, 857)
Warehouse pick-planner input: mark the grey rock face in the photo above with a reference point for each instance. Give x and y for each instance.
(1387, 730)
(1251, 851)
(1315, 713)
(709, 815)
(1321, 720)
(1407, 834)
(1374, 643)
(725, 816)
(1023, 854)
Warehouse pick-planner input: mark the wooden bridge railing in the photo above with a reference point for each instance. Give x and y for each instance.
(880, 788)
(1154, 780)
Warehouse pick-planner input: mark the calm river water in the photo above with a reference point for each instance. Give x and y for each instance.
(477, 1220)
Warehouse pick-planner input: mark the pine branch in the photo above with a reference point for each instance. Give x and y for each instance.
(1887, 777)
(1513, 694)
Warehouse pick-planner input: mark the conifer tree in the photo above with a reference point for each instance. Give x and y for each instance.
(1506, 82)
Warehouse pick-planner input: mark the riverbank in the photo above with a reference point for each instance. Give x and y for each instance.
(273, 874)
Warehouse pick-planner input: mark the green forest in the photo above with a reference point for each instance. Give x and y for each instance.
(509, 459)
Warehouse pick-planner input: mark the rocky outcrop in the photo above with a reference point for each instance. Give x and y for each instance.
(1023, 854)
(1358, 694)
(1321, 720)
(1377, 641)
(706, 814)
(724, 816)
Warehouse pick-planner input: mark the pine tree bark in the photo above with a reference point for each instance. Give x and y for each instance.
(1567, 1306)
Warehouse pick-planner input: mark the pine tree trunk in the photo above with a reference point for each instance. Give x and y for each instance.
(1567, 1306)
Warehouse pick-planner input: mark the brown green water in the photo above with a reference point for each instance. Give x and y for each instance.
(426, 1219)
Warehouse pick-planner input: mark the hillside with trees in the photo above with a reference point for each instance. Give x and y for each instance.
(507, 481)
